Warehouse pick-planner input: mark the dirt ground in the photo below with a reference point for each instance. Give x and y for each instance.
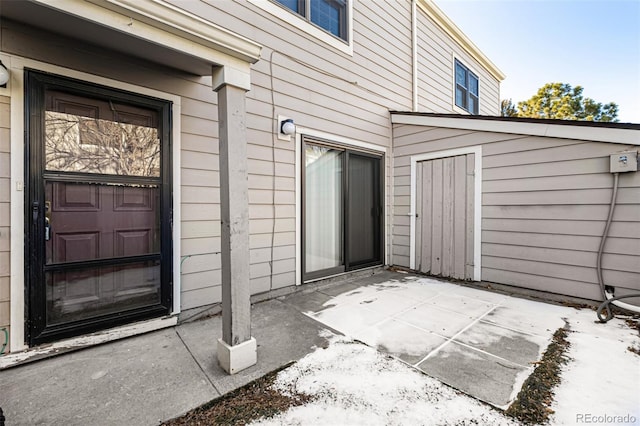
(251, 402)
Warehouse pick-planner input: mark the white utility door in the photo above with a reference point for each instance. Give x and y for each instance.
(444, 216)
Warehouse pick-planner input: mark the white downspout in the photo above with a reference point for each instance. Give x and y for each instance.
(414, 52)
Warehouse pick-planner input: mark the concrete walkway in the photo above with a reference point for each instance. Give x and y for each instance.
(146, 379)
(477, 341)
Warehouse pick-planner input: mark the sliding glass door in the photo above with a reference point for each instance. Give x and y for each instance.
(324, 181)
(342, 205)
(364, 210)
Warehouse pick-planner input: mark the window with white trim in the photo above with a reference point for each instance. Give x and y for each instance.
(467, 89)
(330, 15)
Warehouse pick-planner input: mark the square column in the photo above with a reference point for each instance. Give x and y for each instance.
(236, 350)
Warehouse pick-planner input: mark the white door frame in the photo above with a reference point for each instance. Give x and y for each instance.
(477, 203)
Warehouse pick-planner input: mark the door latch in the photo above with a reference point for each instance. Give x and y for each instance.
(47, 220)
(47, 229)
(35, 209)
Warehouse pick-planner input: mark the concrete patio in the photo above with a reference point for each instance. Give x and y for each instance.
(483, 343)
(477, 341)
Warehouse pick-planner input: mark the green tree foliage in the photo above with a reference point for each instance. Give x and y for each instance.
(563, 102)
(508, 109)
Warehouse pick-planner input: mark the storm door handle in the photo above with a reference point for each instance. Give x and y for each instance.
(47, 220)
(47, 229)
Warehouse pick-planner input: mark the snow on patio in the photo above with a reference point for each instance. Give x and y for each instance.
(353, 384)
(601, 382)
(480, 342)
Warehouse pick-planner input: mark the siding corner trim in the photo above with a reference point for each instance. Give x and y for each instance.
(451, 29)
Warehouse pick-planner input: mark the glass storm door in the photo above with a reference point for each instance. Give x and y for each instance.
(342, 205)
(99, 197)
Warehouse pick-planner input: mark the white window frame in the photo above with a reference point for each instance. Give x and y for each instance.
(457, 108)
(302, 23)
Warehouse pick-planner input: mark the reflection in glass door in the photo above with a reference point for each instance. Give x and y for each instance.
(342, 210)
(99, 192)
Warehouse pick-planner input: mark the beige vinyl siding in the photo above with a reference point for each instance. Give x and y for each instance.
(5, 221)
(436, 53)
(299, 76)
(322, 89)
(544, 206)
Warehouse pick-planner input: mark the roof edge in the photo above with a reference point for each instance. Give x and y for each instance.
(624, 133)
(180, 22)
(447, 25)
(166, 25)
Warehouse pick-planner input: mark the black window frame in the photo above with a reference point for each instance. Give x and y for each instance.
(467, 94)
(304, 11)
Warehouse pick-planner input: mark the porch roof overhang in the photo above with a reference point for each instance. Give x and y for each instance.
(624, 133)
(149, 29)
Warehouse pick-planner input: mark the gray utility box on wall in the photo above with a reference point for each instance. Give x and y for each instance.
(624, 162)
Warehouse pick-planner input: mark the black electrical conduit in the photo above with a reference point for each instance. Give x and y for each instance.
(609, 298)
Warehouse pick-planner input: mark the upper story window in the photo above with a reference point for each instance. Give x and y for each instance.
(467, 89)
(330, 15)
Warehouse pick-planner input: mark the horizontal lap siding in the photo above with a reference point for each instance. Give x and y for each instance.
(544, 208)
(436, 74)
(5, 221)
(321, 88)
(200, 203)
(297, 76)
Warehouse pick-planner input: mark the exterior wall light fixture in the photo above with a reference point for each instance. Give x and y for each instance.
(287, 127)
(4, 75)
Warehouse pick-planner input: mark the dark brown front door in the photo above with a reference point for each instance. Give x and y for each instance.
(99, 191)
(92, 221)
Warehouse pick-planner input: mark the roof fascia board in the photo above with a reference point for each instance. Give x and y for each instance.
(596, 134)
(447, 25)
(161, 23)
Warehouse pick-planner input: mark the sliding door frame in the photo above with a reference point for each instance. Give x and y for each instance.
(379, 237)
(379, 197)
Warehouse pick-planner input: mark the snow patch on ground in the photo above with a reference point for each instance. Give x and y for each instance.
(353, 384)
(424, 320)
(601, 382)
(429, 323)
